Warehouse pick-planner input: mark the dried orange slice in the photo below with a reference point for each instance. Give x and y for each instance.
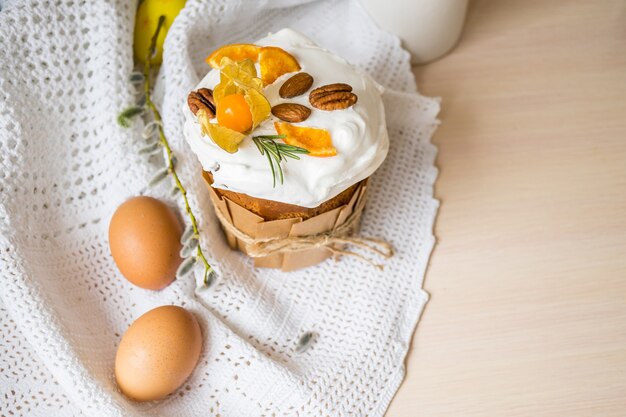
(223, 137)
(275, 62)
(236, 52)
(317, 141)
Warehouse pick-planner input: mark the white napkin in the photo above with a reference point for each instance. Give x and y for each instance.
(65, 166)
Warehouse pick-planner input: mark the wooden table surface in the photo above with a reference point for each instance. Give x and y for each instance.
(527, 315)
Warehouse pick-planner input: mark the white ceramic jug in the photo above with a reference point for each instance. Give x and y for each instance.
(428, 28)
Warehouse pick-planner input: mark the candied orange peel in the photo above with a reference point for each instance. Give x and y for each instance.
(317, 141)
(275, 62)
(236, 52)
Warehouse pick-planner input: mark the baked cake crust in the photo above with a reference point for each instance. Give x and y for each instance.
(274, 210)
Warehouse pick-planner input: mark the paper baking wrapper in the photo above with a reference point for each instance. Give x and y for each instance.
(256, 227)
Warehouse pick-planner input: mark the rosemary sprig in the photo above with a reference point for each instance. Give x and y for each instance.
(209, 272)
(277, 152)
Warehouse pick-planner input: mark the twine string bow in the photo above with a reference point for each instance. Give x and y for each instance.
(340, 235)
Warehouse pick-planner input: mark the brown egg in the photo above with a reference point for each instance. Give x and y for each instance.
(157, 353)
(144, 237)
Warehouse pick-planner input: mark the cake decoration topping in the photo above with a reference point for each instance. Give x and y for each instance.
(201, 99)
(275, 62)
(317, 141)
(358, 137)
(236, 52)
(277, 152)
(259, 106)
(234, 113)
(236, 77)
(336, 96)
(223, 137)
(296, 85)
(240, 105)
(241, 78)
(291, 112)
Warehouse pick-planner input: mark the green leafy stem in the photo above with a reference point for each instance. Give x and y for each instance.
(124, 119)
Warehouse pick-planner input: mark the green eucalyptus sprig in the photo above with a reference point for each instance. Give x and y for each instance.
(154, 134)
(277, 152)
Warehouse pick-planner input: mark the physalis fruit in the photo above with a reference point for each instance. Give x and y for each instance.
(223, 137)
(240, 103)
(233, 112)
(259, 106)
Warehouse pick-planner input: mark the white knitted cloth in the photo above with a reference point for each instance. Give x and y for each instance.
(65, 166)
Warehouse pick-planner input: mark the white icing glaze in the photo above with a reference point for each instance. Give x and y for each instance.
(359, 134)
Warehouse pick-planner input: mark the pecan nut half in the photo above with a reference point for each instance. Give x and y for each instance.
(291, 112)
(329, 97)
(202, 99)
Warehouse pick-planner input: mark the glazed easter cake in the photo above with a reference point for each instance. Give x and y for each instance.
(287, 134)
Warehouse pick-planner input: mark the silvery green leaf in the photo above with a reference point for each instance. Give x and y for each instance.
(186, 267)
(209, 278)
(202, 288)
(141, 101)
(125, 118)
(150, 129)
(189, 247)
(187, 234)
(152, 139)
(304, 342)
(150, 149)
(136, 78)
(158, 177)
(175, 191)
(174, 161)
